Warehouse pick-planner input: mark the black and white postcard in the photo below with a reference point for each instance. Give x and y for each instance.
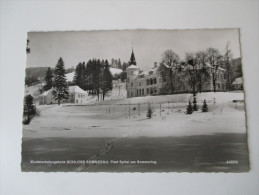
(134, 101)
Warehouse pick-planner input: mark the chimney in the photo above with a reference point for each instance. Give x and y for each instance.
(155, 64)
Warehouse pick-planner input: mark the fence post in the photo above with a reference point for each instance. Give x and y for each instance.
(129, 108)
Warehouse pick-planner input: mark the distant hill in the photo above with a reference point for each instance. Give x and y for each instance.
(34, 75)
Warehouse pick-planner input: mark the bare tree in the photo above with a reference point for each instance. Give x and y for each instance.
(191, 69)
(214, 59)
(170, 60)
(202, 75)
(227, 65)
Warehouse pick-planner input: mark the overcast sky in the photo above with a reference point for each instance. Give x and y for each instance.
(148, 45)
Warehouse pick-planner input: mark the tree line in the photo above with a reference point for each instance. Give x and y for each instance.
(197, 68)
(93, 76)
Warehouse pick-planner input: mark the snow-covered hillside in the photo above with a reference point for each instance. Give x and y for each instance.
(34, 90)
(115, 71)
(210, 97)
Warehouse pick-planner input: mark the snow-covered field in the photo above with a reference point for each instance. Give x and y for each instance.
(116, 118)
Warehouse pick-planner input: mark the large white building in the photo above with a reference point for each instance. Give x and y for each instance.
(76, 95)
(143, 83)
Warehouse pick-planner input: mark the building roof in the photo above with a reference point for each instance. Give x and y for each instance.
(76, 89)
(72, 89)
(219, 68)
(238, 81)
(46, 92)
(132, 66)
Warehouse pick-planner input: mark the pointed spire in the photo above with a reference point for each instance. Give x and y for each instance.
(132, 58)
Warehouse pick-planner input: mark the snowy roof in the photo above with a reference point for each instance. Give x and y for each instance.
(209, 65)
(76, 89)
(70, 76)
(132, 66)
(115, 71)
(46, 92)
(237, 81)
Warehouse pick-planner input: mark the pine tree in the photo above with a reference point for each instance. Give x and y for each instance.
(60, 87)
(107, 79)
(189, 108)
(48, 80)
(149, 111)
(29, 109)
(195, 107)
(78, 77)
(119, 64)
(204, 107)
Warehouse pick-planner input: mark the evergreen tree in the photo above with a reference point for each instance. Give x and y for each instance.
(48, 80)
(119, 64)
(149, 111)
(195, 107)
(89, 76)
(29, 109)
(189, 108)
(204, 107)
(60, 87)
(107, 79)
(124, 66)
(78, 77)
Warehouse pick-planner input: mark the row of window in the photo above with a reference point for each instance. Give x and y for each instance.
(151, 81)
(149, 91)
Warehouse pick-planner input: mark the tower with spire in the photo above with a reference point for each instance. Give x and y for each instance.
(132, 74)
(132, 59)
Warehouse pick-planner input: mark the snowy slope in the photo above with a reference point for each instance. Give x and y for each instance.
(34, 90)
(115, 71)
(113, 120)
(70, 76)
(219, 97)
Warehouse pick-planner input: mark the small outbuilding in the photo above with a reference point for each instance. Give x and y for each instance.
(76, 95)
(237, 84)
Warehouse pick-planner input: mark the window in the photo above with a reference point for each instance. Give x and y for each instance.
(151, 81)
(131, 84)
(147, 82)
(147, 90)
(142, 91)
(154, 81)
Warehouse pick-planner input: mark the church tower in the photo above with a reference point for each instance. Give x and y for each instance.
(132, 74)
(132, 59)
